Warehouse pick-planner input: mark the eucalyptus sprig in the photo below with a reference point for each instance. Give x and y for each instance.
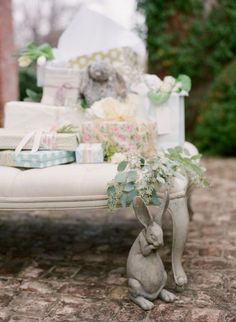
(68, 128)
(139, 177)
(188, 165)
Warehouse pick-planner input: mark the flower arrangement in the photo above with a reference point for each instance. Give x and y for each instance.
(158, 91)
(139, 177)
(33, 53)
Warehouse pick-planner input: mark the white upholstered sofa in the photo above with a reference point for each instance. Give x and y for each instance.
(84, 186)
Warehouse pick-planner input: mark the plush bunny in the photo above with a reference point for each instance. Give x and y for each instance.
(101, 80)
(146, 273)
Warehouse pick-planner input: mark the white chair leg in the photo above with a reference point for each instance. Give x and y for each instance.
(180, 217)
(189, 193)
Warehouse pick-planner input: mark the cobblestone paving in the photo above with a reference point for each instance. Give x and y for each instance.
(71, 266)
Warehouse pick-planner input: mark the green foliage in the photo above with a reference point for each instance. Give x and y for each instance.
(32, 96)
(83, 103)
(169, 25)
(186, 83)
(122, 166)
(216, 131)
(139, 177)
(109, 150)
(27, 76)
(28, 85)
(188, 165)
(68, 128)
(32, 51)
(169, 85)
(184, 38)
(158, 98)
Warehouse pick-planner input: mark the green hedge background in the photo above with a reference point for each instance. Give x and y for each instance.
(184, 38)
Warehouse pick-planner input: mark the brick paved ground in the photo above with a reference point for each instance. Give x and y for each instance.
(71, 267)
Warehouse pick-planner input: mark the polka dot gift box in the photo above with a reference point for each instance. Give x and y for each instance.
(39, 159)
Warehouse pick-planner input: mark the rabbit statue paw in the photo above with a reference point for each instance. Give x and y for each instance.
(146, 274)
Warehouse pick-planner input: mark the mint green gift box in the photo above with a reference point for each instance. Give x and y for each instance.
(39, 159)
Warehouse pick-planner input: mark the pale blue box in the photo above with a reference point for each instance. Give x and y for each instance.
(89, 153)
(39, 159)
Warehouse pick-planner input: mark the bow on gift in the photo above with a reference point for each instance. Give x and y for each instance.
(61, 93)
(40, 137)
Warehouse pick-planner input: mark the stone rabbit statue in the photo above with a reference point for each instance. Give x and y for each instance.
(146, 274)
(101, 80)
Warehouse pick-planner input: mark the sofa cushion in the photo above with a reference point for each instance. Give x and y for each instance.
(65, 186)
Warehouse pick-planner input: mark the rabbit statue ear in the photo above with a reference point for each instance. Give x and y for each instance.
(142, 212)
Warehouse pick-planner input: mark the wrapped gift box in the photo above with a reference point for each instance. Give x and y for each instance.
(124, 59)
(81, 45)
(60, 86)
(39, 159)
(29, 116)
(9, 140)
(138, 137)
(170, 120)
(89, 153)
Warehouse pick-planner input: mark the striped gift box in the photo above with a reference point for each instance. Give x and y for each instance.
(89, 153)
(39, 159)
(10, 139)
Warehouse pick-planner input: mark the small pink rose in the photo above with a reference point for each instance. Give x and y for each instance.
(129, 128)
(86, 138)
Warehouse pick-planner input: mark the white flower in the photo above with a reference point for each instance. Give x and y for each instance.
(24, 61)
(169, 80)
(112, 110)
(165, 88)
(153, 82)
(140, 88)
(96, 111)
(118, 157)
(105, 109)
(126, 112)
(41, 60)
(148, 82)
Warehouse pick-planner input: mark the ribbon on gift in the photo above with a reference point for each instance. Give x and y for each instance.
(5, 158)
(40, 137)
(61, 93)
